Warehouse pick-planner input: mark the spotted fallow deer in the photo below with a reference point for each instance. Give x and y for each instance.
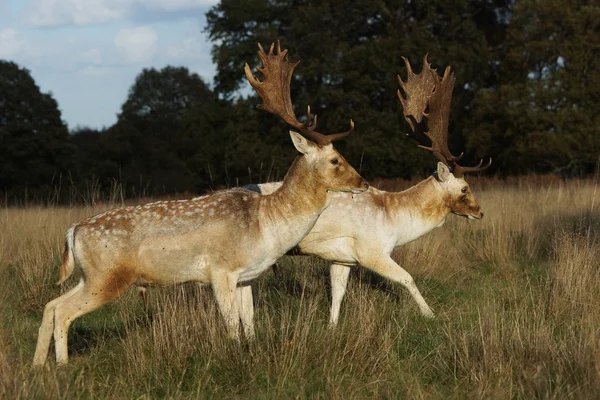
(364, 230)
(223, 239)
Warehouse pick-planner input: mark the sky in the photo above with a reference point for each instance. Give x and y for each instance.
(87, 53)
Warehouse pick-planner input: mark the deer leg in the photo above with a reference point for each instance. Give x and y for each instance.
(246, 309)
(144, 295)
(87, 298)
(47, 326)
(224, 286)
(339, 280)
(387, 268)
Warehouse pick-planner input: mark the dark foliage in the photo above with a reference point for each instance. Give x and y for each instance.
(35, 152)
(166, 139)
(351, 53)
(526, 94)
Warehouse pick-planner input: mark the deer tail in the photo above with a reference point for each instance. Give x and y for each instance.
(68, 263)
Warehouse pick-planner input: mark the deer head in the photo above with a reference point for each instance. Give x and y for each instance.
(429, 96)
(316, 148)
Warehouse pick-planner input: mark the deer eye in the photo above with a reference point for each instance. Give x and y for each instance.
(334, 161)
(464, 190)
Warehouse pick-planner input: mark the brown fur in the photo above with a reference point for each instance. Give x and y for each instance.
(436, 208)
(425, 199)
(117, 282)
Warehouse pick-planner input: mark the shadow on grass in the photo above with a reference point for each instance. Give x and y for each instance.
(293, 284)
(286, 280)
(83, 339)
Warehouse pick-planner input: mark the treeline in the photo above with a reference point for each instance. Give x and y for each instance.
(527, 94)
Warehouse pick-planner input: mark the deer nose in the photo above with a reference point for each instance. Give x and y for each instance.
(366, 185)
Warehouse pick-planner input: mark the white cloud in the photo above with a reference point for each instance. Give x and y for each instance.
(47, 13)
(136, 44)
(10, 44)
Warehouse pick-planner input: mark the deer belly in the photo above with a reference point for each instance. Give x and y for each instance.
(335, 249)
(253, 271)
(167, 266)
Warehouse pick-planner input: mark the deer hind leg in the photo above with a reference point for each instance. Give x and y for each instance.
(225, 288)
(246, 309)
(87, 298)
(47, 326)
(339, 280)
(387, 268)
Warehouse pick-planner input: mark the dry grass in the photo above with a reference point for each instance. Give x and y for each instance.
(516, 295)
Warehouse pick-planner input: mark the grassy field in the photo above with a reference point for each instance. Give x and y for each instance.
(517, 299)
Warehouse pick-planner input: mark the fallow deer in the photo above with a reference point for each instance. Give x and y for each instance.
(364, 230)
(223, 239)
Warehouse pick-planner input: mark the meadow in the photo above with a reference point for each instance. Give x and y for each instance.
(516, 295)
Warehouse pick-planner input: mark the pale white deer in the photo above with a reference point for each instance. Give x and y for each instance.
(364, 230)
(223, 239)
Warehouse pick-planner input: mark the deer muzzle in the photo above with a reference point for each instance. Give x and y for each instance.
(476, 216)
(362, 187)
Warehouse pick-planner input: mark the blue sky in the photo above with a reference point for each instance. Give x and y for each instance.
(88, 52)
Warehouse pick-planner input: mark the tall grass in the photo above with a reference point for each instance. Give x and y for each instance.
(515, 294)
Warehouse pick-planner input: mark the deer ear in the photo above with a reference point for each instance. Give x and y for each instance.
(443, 172)
(303, 145)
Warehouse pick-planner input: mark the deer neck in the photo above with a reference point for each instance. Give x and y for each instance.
(292, 210)
(302, 190)
(419, 209)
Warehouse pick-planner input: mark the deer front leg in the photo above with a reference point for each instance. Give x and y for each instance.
(224, 286)
(339, 280)
(144, 296)
(246, 309)
(386, 267)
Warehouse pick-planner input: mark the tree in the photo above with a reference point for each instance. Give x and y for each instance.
(34, 144)
(351, 52)
(167, 120)
(543, 116)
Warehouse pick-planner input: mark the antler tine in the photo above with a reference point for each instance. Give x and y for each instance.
(274, 90)
(337, 136)
(460, 171)
(311, 121)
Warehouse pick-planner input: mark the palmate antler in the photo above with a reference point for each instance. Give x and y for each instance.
(274, 90)
(427, 89)
(418, 90)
